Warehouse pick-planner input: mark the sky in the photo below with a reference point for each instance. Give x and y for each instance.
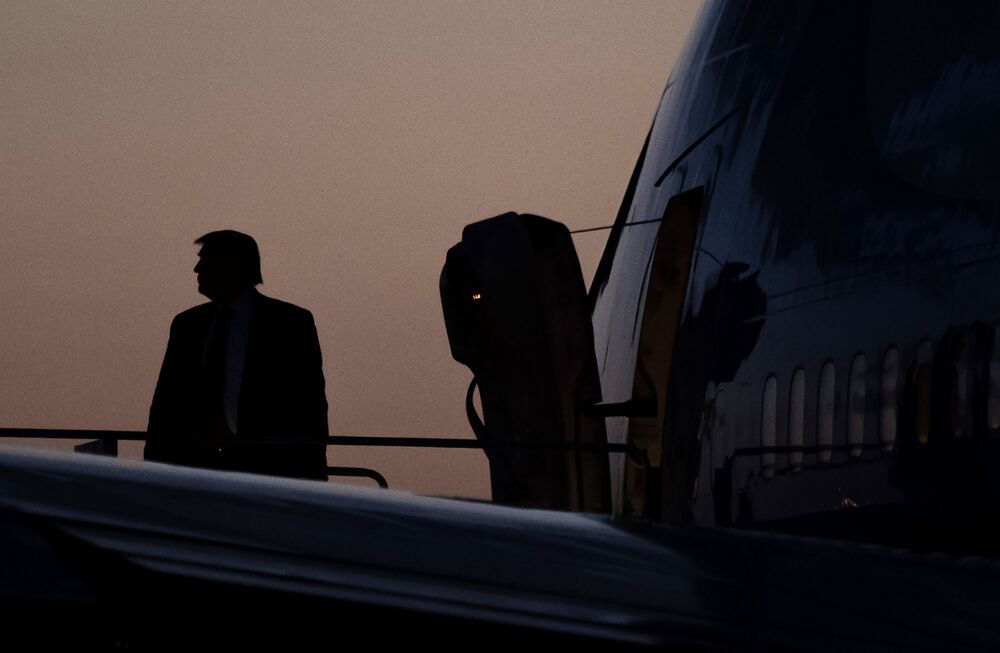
(353, 140)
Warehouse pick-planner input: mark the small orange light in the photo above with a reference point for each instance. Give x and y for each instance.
(477, 296)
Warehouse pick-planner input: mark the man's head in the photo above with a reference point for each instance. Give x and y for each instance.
(228, 264)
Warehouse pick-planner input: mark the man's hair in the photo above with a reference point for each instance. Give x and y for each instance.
(237, 247)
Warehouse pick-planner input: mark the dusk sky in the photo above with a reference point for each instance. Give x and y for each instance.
(353, 140)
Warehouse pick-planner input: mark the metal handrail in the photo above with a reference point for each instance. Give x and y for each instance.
(359, 472)
(636, 454)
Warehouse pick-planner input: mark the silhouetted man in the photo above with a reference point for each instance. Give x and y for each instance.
(241, 387)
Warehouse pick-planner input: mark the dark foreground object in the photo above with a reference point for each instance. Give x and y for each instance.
(102, 553)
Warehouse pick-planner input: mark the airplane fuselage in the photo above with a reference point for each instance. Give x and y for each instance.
(800, 274)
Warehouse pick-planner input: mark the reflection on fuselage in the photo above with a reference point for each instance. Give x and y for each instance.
(835, 344)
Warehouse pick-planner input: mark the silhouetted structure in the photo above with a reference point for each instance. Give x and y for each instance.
(515, 307)
(241, 387)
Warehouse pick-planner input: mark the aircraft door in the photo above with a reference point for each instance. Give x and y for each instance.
(668, 281)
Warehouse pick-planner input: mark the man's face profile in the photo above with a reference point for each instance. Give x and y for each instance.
(220, 277)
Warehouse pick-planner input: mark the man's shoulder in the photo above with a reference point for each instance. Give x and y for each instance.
(194, 314)
(191, 322)
(280, 309)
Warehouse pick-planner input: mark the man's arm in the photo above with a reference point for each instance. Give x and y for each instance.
(164, 411)
(314, 407)
(308, 407)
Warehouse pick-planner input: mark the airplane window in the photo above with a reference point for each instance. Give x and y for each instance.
(993, 403)
(962, 370)
(824, 413)
(856, 406)
(890, 379)
(797, 418)
(744, 428)
(769, 426)
(922, 392)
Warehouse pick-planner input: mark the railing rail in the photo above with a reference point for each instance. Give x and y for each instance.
(102, 441)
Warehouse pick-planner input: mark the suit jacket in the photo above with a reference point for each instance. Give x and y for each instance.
(282, 396)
